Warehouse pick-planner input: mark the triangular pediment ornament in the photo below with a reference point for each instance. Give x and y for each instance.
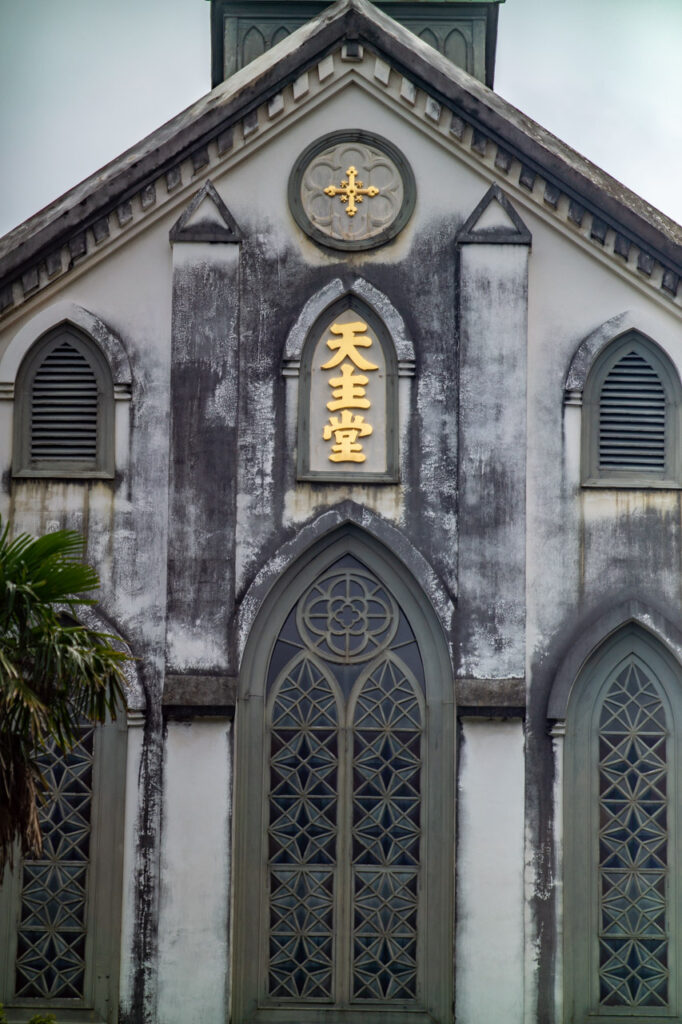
(206, 219)
(277, 86)
(494, 221)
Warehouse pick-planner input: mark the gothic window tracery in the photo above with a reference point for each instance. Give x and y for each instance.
(345, 846)
(60, 911)
(623, 949)
(52, 927)
(633, 843)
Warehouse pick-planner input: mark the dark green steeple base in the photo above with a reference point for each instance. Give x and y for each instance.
(465, 31)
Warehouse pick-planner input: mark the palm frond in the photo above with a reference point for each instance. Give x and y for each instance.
(54, 672)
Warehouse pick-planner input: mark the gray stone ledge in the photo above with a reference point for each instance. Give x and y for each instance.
(200, 691)
(490, 694)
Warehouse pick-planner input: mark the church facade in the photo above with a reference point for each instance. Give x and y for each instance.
(365, 392)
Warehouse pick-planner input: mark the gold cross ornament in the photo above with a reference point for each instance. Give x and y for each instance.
(351, 191)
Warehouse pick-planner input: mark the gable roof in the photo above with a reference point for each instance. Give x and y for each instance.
(48, 244)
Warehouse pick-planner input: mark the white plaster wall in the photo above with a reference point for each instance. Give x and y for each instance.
(490, 866)
(130, 823)
(195, 872)
(444, 188)
(130, 291)
(573, 289)
(492, 459)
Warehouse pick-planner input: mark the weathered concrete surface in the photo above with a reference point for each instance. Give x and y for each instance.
(195, 873)
(489, 516)
(492, 470)
(204, 376)
(490, 854)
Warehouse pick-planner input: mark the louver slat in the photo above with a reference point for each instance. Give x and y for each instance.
(64, 408)
(632, 417)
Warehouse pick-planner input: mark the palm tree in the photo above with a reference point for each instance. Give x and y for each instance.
(54, 673)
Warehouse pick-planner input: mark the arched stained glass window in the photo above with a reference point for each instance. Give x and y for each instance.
(386, 832)
(302, 832)
(60, 912)
(633, 842)
(622, 859)
(338, 914)
(51, 932)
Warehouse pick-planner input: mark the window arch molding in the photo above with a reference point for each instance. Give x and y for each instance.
(436, 943)
(328, 294)
(69, 314)
(641, 320)
(348, 518)
(595, 629)
(96, 618)
(622, 799)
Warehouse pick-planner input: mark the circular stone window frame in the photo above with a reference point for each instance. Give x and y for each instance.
(370, 139)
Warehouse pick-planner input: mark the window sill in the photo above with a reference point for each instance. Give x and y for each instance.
(347, 477)
(63, 1014)
(617, 484)
(62, 474)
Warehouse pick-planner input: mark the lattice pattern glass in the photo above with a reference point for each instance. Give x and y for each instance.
(302, 834)
(633, 844)
(52, 927)
(338, 786)
(386, 834)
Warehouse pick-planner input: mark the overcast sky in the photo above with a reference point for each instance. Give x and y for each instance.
(81, 80)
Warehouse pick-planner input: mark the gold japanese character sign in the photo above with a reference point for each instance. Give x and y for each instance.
(347, 401)
(349, 391)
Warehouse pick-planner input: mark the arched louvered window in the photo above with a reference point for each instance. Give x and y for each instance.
(64, 409)
(622, 856)
(632, 417)
(344, 815)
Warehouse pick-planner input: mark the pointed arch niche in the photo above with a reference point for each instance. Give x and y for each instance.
(623, 399)
(348, 397)
(347, 350)
(32, 393)
(632, 407)
(344, 797)
(622, 849)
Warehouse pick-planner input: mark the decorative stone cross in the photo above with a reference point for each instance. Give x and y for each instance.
(351, 191)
